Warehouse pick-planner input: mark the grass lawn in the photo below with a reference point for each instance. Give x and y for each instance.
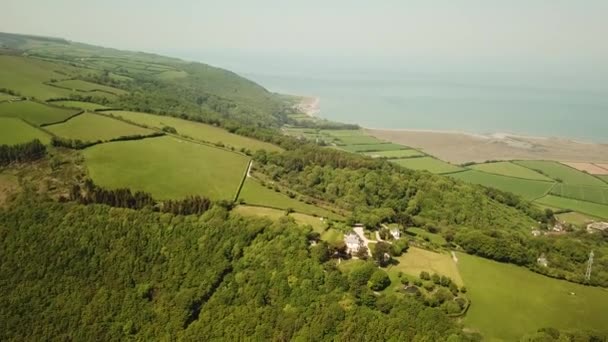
(434, 238)
(167, 168)
(589, 208)
(89, 86)
(528, 189)
(34, 112)
(255, 193)
(584, 193)
(416, 260)
(93, 127)
(427, 163)
(576, 218)
(511, 170)
(275, 214)
(14, 131)
(359, 140)
(79, 104)
(509, 301)
(395, 154)
(562, 172)
(372, 147)
(195, 130)
(332, 236)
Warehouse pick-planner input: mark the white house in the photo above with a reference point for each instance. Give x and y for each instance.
(353, 243)
(597, 227)
(396, 233)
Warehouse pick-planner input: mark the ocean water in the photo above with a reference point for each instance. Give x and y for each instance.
(541, 106)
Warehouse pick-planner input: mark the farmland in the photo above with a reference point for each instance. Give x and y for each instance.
(528, 189)
(275, 214)
(578, 219)
(588, 167)
(562, 173)
(359, 140)
(511, 170)
(89, 87)
(584, 193)
(427, 163)
(79, 104)
(589, 208)
(395, 154)
(93, 127)
(195, 130)
(6, 97)
(521, 301)
(417, 260)
(14, 131)
(34, 112)
(372, 147)
(166, 167)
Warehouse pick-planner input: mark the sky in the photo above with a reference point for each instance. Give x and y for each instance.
(567, 36)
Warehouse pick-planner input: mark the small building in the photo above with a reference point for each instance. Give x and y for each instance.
(353, 243)
(597, 227)
(536, 232)
(396, 233)
(559, 227)
(542, 260)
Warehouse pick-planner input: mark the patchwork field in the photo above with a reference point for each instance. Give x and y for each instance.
(584, 193)
(343, 132)
(14, 131)
(255, 193)
(359, 140)
(561, 172)
(89, 87)
(395, 154)
(427, 163)
(605, 178)
(372, 147)
(195, 130)
(416, 260)
(576, 218)
(34, 112)
(588, 167)
(521, 301)
(528, 189)
(93, 127)
(275, 214)
(79, 104)
(511, 170)
(589, 208)
(167, 167)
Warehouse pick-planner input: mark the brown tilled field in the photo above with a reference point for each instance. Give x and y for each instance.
(588, 167)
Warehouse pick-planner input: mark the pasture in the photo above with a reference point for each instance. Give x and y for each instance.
(85, 86)
(195, 130)
(508, 301)
(34, 112)
(427, 163)
(397, 154)
(14, 131)
(589, 208)
(372, 147)
(275, 214)
(561, 172)
(254, 193)
(575, 218)
(510, 170)
(604, 178)
(343, 132)
(359, 140)
(528, 189)
(26, 76)
(167, 167)
(80, 105)
(434, 238)
(6, 97)
(416, 260)
(584, 193)
(93, 127)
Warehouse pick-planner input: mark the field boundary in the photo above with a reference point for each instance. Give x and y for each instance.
(522, 178)
(51, 84)
(243, 179)
(63, 121)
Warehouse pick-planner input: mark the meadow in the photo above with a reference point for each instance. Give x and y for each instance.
(509, 301)
(604, 178)
(79, 104)
(6, 97)
(511, 170)
(584, 193)
(578, 219)
(427, 163)
(14, 131)
(276, 214)
(589, 208)
(561, 172)
(167, 167)
(93, 127)
(528, 189)
(343, 132)
(434, 238)
(372, 147)
(89, 87)
(195, 130)
(359, 140)
(26, 76)
(397, 154)
(254, 193)
(416, 260)
(34, 112)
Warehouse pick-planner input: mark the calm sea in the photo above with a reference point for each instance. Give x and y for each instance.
(537, 107)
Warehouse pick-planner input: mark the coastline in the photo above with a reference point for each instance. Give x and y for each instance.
(309, 105)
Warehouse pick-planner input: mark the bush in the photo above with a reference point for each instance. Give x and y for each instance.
(379, 280)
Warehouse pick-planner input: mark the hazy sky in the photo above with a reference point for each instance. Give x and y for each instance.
(551, 34)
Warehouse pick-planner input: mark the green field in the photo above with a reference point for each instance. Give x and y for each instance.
(416, 260)
(274, 214)
(395, 154)
(511, 170)
(167, 168)
(589, 208)
(343, 132)
(93, 127)
(255, 193)
(584, 193)
(34, 112)
(89, 87)
(359, 140)
(605, 178)
(427, 163)
(372, 147)
(14, 131)
(6, 97)
(79, 104)
(509, 301)
(195, 130)
(434, 238)
(562, 172)
(576, 218)
(528, 189)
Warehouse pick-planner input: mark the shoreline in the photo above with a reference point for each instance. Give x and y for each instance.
(309, 105)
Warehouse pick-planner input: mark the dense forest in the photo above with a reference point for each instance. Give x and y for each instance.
(22, 152)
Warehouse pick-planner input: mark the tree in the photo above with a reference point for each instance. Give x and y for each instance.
(381, 253)
(320, 252)
(362, 253)
(379, 280)
(424, 275)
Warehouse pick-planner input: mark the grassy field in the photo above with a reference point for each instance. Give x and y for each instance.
(434, 238)
(584, 193)
(79, 104)
(14, 131)
(26, 76)
(562, 172)
(195, 130)
(511, 170)
(510, 301)
(427, 163)
(576, 218)
(6, 97)
(528, 189)
(275, 214)
(89, 86)
(589, 208)
(343, 132)
(372, 147)
(395, 154)
(255, 193)
(167, 168)
(93, 127)
(605, 178)
(416, 260)
(34, 112)
(359, 140)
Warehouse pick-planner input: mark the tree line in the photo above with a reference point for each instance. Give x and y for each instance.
(21, 153)
(77, 144)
